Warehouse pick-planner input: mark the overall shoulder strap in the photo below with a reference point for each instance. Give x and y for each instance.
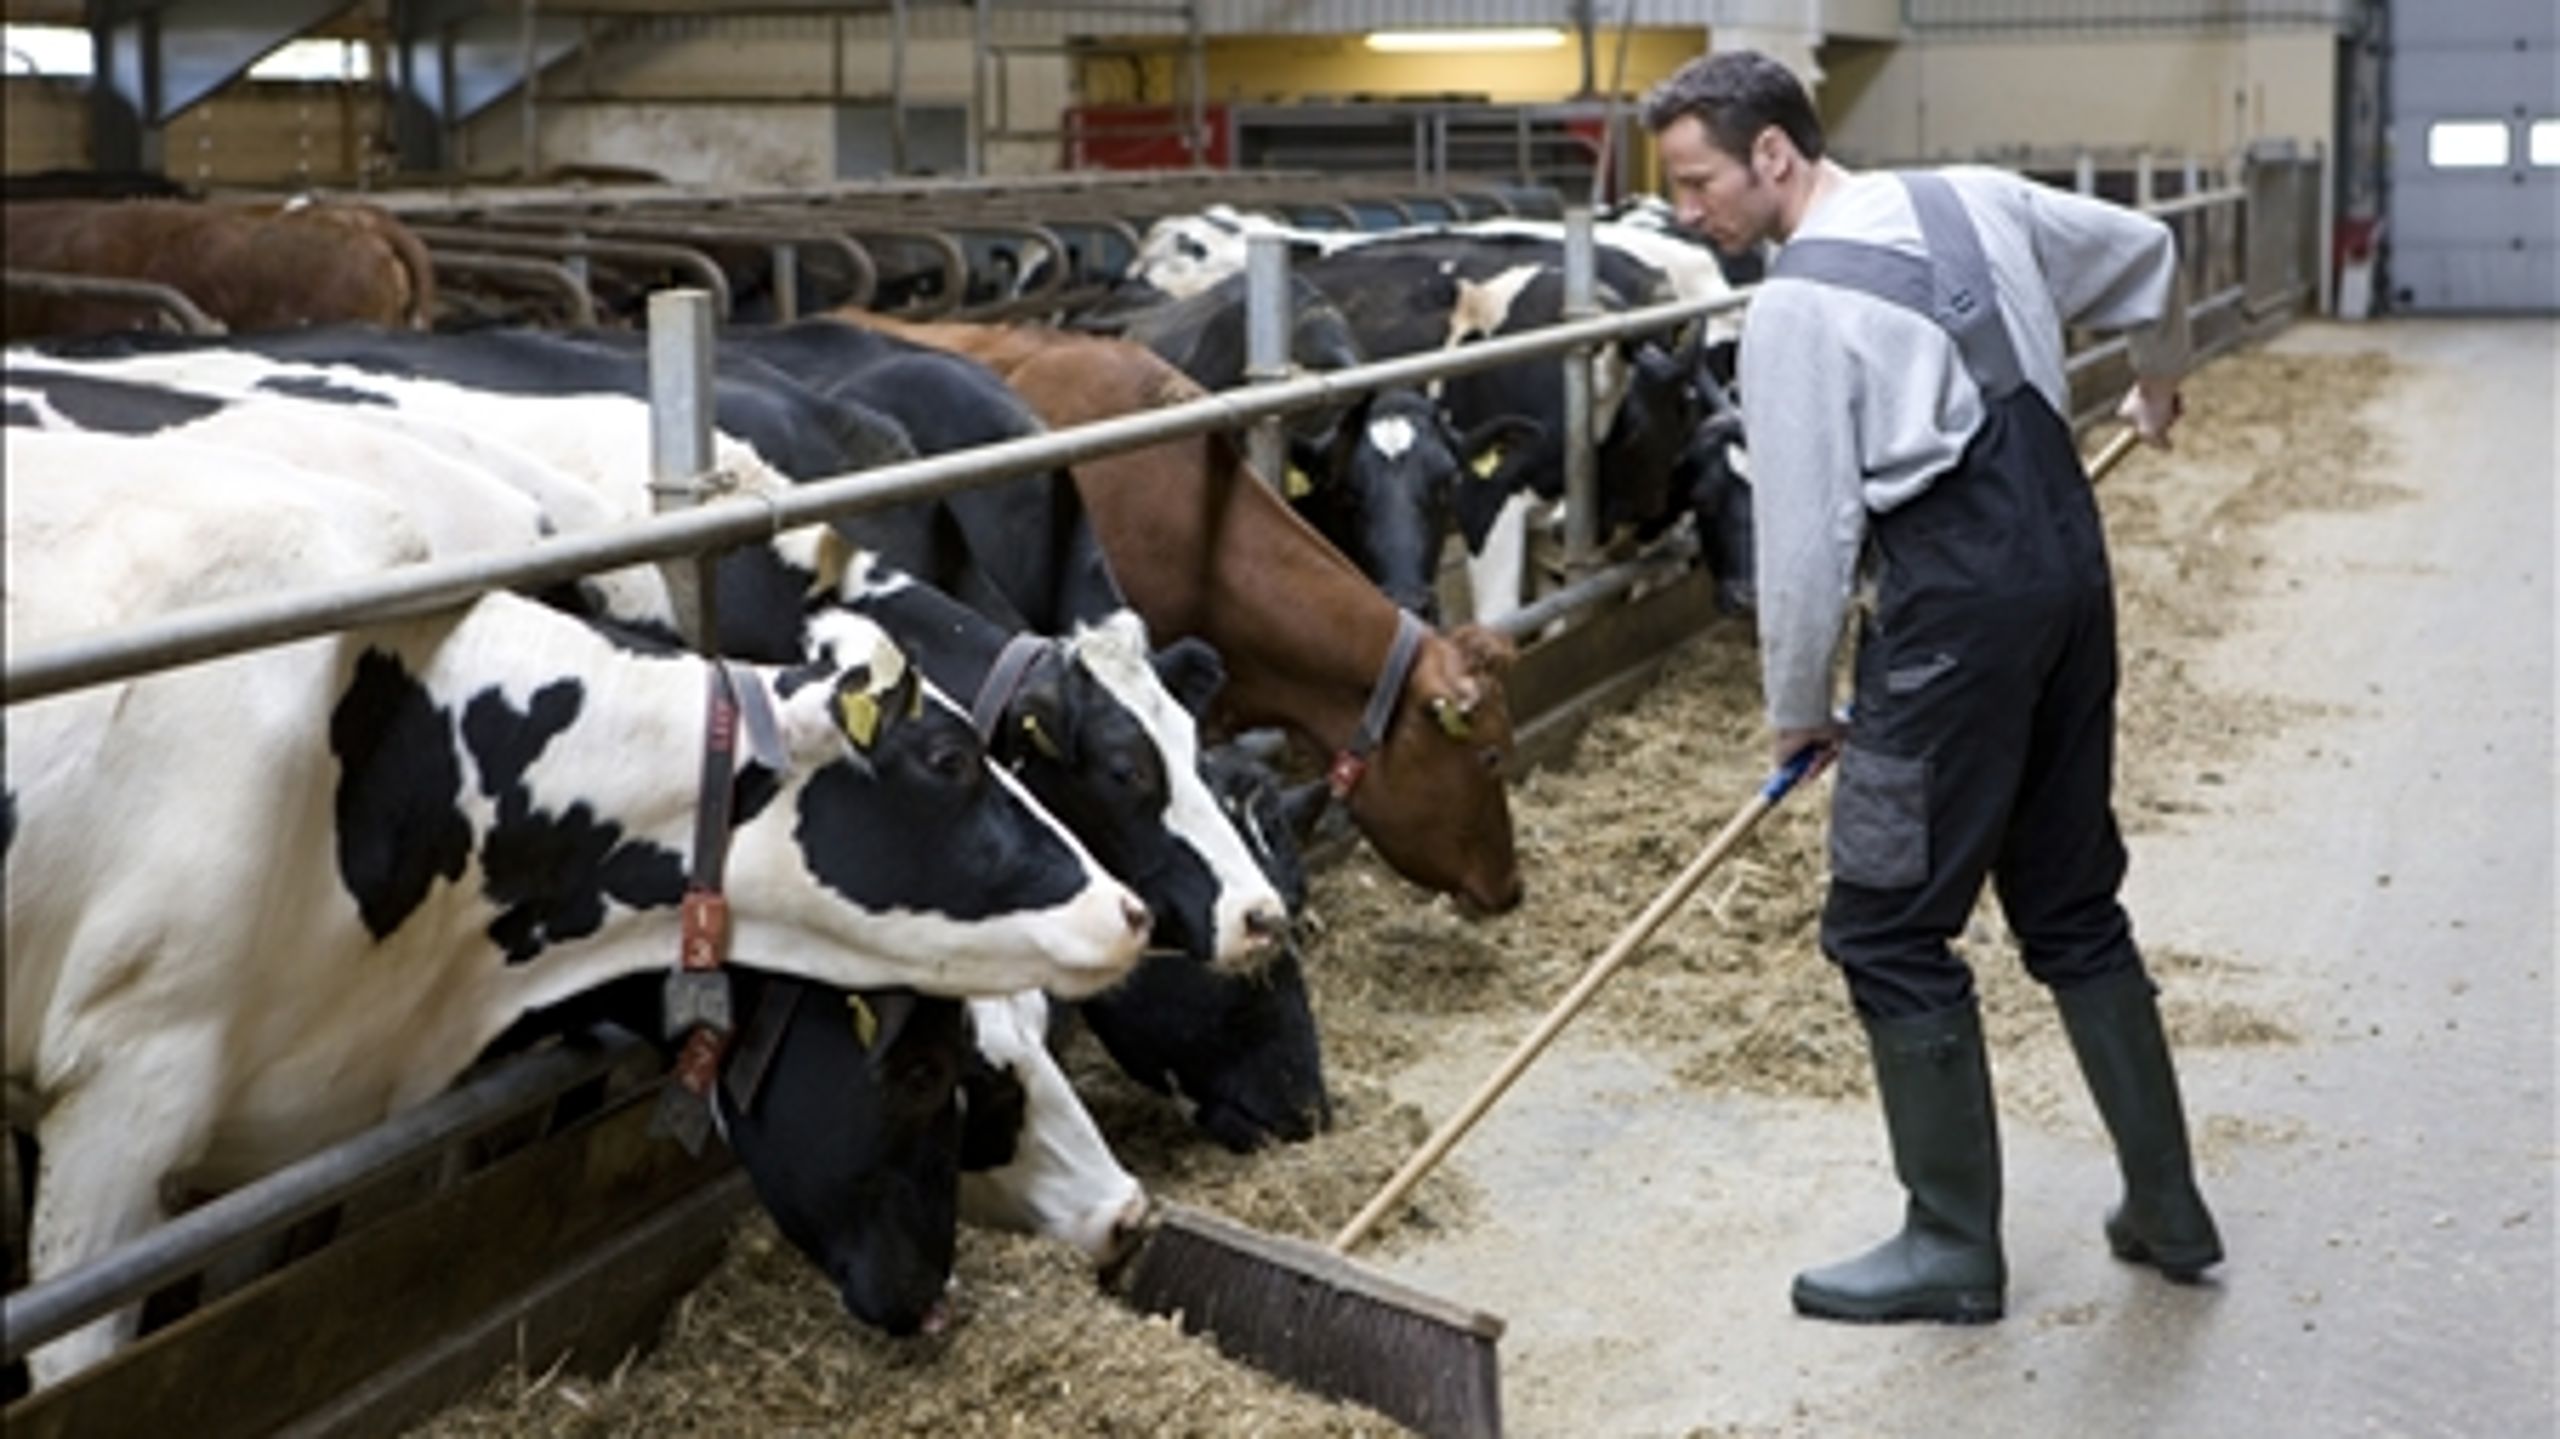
(1951, 287)
(1968, 304)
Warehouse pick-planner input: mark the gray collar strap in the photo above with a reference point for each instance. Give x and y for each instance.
(1353, 761)
(1003, 680)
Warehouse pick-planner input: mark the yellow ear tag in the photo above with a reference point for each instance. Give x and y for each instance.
(1298, 486)
(860, 711)
(866, 1025)
(1487, 463)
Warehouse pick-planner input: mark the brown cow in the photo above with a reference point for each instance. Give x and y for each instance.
(1203, 547)
(305, 264)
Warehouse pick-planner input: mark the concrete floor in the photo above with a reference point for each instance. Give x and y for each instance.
(2385, 1185)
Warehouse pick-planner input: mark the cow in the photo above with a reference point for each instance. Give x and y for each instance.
(417, 832)
(1379, 476)
(1667, 443)
(1203, 547)
(307, 264)
(1240, 1047)
(1116, 756)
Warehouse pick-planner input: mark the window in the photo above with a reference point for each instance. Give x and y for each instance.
(47, 50)
(315, 60)
(2467, 144)
(2544, 146)
(63, 50)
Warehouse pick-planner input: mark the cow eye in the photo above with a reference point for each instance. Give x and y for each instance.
(1490, 758)
(951, 761)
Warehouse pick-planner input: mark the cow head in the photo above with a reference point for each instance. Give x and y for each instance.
(1714, 478)
(1106, 736)
(852, 1139)
(957, 872)
(1037, 1162)
(1433, 803)
(1384, 492)
(1241, 1049)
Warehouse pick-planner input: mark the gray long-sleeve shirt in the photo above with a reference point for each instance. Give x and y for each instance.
(1854, 405)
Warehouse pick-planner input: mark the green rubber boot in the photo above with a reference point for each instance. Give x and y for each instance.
(2115, 1030)
(1946, 1263)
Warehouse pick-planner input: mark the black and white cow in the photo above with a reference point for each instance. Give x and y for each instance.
(1665, 449)
(1378, 476)
(1241, 1047)
(256, 905)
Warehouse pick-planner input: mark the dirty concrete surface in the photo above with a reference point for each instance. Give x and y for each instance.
(2378, 872)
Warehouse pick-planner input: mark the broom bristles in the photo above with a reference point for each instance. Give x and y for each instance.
(1307, 1315)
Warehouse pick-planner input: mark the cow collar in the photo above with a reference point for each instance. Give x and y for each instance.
(697, 992)
(1004, 681)
(1352, 762)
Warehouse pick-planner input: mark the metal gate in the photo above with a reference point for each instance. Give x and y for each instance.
(2474, 218)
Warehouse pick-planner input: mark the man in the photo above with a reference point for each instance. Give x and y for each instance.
(1903, 383)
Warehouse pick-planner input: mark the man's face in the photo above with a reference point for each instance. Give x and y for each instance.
(1712, 192)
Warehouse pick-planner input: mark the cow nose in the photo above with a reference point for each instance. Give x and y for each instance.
(1135, 911)
(1267, 922)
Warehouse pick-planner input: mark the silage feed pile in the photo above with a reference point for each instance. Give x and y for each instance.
(1731, 994)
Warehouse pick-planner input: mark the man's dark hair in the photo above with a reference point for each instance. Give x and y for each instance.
(1736, 94)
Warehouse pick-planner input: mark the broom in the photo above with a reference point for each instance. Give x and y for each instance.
(1309, 1315)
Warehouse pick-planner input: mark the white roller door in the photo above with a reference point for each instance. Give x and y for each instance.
(2474, 220)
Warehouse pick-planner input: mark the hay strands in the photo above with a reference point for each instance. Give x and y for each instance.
(1310, 1315)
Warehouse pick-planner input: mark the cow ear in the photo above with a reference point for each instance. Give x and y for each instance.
(872, 696)
(1192, 673)
(1042, 715)
(835, 557)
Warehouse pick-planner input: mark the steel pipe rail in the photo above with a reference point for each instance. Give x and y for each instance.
(212, 631)
(168, 299)
(677, 257)
(550, 273)
(186, 1244)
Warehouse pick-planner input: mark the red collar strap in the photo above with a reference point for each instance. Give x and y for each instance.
(1352, 762)
(697, 992)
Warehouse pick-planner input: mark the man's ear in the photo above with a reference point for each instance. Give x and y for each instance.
(1772, 153)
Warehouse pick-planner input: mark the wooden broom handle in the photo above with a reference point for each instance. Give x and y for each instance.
(2115, 449)
(1428, 1157)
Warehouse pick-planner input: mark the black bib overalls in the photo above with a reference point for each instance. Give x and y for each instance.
(1983, 738)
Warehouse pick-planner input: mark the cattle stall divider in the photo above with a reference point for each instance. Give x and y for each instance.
(535, 1217)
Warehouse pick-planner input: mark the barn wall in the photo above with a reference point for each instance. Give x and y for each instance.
(47, 124)
(2208, 95)
(754, 99)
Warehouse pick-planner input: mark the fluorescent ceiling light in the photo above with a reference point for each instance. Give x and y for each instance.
(1407, 41)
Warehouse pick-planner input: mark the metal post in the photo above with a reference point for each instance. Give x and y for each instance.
(1581, 467)
(979, 42)
(680, 406)
(1266, 340)
(529, 62)
(786, 281)
(898, 159)
(2084, 173)
(1196, 60)
(2145, 185)
(2191, 176)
